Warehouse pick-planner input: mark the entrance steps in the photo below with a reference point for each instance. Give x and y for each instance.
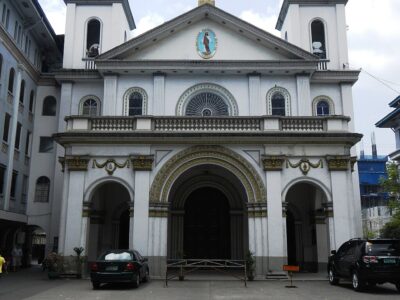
(276, 276)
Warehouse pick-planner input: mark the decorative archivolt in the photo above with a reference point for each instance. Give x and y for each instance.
(129, 92)
(284, 92)
(327, 100)
(202, 155)
(218, 90)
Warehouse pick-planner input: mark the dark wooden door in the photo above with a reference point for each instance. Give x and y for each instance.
(207, 225)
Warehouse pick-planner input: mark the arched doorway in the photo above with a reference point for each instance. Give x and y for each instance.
(307, 227)
(208, 219)
(207, 225)
(109, 219)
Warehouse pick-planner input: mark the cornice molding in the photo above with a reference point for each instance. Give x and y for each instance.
(336, 76)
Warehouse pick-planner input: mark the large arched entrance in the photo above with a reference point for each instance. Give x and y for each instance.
(208, 219)
(307, 227)
(109, 219)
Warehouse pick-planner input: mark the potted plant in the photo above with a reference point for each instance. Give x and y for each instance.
(250, 265)
(78, 251)
(54, 265)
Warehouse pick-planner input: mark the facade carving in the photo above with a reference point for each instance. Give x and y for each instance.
(305, 165)
(273, 163)
(142, 162)
(110, 165)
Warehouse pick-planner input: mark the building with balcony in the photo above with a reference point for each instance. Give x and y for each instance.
(205, 137)
(29, 49)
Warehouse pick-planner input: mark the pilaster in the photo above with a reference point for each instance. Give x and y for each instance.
(255, 101)
(304, 103)
(110, 96)
(158, 107)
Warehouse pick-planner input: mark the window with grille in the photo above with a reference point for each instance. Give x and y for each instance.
(42, 189)
(135, 104)
(278, 103)
(207, 104)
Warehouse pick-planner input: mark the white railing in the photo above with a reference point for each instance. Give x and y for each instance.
(113, 124)
(323, 65)
(89, 63)
(303, 124)
(207, 124)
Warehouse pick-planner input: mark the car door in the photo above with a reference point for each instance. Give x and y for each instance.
(339, 259)
(140, 259)
(349, 259)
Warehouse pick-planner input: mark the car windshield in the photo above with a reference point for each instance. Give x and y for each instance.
(383, 248)
(113, 256)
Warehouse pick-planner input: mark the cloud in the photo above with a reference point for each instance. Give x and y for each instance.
(264, 22)
(148, 22)
(55, 12)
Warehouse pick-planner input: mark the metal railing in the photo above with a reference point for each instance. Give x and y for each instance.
(89, 63)
(323, 65)
(179, 268)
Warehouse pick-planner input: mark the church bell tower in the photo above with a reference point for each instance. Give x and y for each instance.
(94, 27)
(318, 26)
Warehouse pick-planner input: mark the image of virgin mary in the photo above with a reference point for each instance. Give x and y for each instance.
(206, 43)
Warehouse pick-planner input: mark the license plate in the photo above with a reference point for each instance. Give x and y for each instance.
(389, 261)
(112, 268)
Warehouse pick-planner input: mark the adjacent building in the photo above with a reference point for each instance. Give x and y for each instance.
(205, 137)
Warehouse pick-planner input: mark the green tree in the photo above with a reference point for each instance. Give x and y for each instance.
(391, 185)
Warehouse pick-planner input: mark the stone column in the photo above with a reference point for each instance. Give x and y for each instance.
(85, 226)
(11, 138)
(176, 239)
(276, 236)
(157, 238)
(131, 223)
(75, 168)
(257, 213)
(304, 102)
(110, 103)
(142, 166)
(158, 106)
(255, 101)
(339, 168)
(331, 225)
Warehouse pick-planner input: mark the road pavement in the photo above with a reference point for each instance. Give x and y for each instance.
(33, 284)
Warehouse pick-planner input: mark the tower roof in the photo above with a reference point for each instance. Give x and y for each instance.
(125, 5)
(286, 3)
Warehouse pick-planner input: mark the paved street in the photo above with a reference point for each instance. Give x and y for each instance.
(33, 284)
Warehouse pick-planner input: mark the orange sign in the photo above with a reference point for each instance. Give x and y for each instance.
(291, 268)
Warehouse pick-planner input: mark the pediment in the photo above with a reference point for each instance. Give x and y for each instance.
(235, 40)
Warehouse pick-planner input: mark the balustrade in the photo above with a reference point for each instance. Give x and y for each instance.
(303, 124)
(113, 124)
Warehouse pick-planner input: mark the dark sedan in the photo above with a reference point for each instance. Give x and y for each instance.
(119, 266)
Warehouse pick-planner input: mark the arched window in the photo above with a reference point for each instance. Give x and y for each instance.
(11, 81)
(31, 101)
(318, 41)
(22, 92)
(90, 106)
(278, 102)
(42, 189)
(135, 102)
(49, 106)
(323, 106)
(93, 38)
(207, 104)
(278, 105)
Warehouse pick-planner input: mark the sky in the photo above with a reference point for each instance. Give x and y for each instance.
(373, 36)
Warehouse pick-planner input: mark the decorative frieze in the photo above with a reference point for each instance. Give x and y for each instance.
(328, 209)
(257, 210)
(110, 165)
(142, 162)
(77, 163)
(305, 165)
(159, 210)
(86, 209)
(338, 163)
(273, 163)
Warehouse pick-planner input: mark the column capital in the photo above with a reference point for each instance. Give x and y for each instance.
(273, 162)
(142, 162)
(257, 210)
(338, 163)
(158, 210)
(75, 163)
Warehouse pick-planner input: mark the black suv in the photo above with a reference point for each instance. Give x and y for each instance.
(366, 263)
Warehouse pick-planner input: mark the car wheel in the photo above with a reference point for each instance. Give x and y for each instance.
(96, 285)
(398, 286)
(147, 276)
(358, 284)
(136, 283)
(333, 279)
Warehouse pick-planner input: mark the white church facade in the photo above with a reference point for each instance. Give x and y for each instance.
(205, 137)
